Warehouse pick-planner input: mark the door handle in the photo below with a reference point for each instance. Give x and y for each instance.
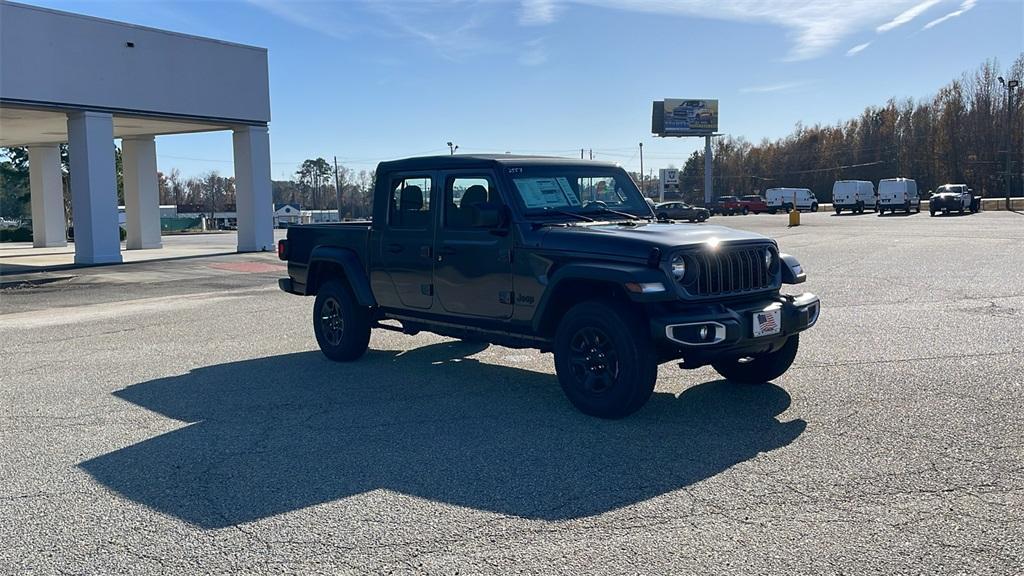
(395, 248)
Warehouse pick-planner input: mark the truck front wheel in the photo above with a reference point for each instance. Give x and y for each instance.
(341, 325)
(604, 359)
(761, 368)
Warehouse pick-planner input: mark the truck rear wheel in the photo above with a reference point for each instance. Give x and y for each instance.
(604, 359)
(341, 325)
(762, 368)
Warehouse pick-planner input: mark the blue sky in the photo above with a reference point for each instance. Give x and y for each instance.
(376, 80)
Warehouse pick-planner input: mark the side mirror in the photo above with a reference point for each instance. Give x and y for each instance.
(491, 216)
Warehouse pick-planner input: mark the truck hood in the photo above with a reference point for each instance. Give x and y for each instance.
(637, 241)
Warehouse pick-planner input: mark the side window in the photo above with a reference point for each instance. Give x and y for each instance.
(409, 206)
(464, 197)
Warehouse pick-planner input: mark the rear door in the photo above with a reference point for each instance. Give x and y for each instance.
(407, 238)
(473, 264)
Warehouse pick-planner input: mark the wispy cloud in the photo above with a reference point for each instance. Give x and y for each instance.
(534, 54)
(780, 87)
(537, 12)
(907, 15)
(309, 15)
(857, 49)
(814, 27)
(964, 7)
(461, 21)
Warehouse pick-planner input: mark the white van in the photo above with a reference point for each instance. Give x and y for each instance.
(898, 194)
(781, 199)
(854, 195)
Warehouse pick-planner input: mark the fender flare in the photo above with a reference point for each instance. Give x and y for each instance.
(609, 273)
(349, 262)
(792, 271)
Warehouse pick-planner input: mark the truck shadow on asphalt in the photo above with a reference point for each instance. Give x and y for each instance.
(283, 433)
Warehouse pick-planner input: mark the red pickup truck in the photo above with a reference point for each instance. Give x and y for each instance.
(754, 203)
(727, 206)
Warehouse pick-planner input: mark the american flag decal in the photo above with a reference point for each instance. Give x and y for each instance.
(766, 322)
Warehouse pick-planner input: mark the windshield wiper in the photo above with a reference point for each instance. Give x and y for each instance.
(606, 210)
(549, 210)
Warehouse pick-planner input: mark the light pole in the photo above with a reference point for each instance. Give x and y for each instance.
(1010, 85)
(642, 187)
(452, 148)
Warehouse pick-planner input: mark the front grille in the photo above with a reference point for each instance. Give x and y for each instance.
(732, 270)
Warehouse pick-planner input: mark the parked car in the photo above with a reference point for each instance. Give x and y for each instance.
(854, 195)
(727, 206)
(898, 194)
(782, 199)
(681, 211)
(528, 257)
(953, 198)
(754, 203)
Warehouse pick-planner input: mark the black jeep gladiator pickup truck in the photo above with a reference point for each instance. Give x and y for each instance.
(560, 255)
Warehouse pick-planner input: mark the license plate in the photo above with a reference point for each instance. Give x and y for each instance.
(767, 322)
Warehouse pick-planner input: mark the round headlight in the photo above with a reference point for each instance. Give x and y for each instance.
(678, 267)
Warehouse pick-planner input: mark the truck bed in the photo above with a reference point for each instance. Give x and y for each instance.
(304, 238)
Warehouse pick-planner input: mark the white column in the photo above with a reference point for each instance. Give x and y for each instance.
(141, 192)
(253, 199)
(93, 188)
(48, 223)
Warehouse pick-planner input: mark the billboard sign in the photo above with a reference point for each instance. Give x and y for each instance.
(678, 117)
(669, 176)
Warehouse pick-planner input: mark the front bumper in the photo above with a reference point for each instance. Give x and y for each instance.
(943, 204)
(729, 327)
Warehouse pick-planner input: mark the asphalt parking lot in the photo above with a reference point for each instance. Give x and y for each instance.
(176, 418)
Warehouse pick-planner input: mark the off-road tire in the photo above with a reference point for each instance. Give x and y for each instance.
(604, 359)
(341, 325)
(762, 368)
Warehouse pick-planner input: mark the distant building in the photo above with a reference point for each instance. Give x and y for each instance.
(287, 214)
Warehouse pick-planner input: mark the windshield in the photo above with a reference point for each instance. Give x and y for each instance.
(948, 188)
(554, 190)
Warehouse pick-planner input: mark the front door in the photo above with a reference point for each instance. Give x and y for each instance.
(473, 264)
(406, 248)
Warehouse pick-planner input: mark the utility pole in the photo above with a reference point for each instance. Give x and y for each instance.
(642, 187)
(337, 187)
(708, 166)
(581, 153)
(591, 153)
(452, 148)
(1010, 86)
